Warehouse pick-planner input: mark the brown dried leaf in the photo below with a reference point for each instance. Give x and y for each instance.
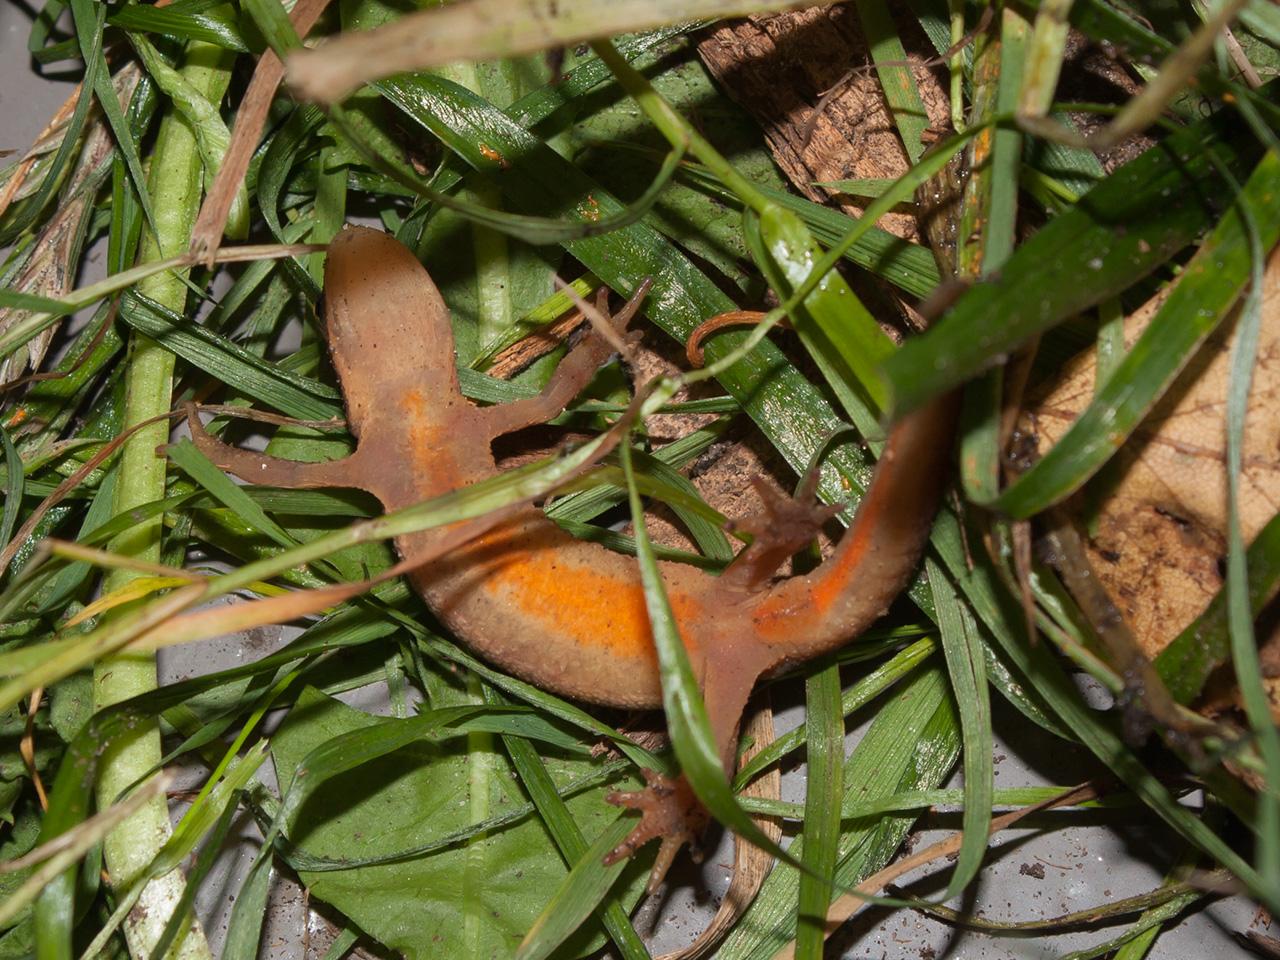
(50, 270)
(1160, 537)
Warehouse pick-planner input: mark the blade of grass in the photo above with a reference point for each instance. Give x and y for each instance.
(271, 18)
(549, 703)
(1244, 648)
(13, 490)
(906, 265)
(49, 309)
(573, 846)
(211, 25)
(985, 236)
(537, 231)
(967, 670)
(1044, 57)
(1136, 942)
(293, 395)
(1013, 797)
(244, 929)
(824, 761)
(1187, 662)
(89, 18)
(838, 332)
(911, 744)
(577, 896)
(691, 735)
(857, 696)
(896, 79)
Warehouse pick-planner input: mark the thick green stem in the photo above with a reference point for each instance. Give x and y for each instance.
(174, 182)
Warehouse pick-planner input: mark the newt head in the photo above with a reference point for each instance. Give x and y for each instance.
(387, 325)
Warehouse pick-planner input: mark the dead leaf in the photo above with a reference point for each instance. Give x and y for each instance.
(1160, 541)
(51, 266)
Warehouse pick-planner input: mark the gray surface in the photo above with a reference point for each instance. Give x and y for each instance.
(1088, 863)
(26, 101)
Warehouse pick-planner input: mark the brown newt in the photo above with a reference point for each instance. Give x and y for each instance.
(566, 614)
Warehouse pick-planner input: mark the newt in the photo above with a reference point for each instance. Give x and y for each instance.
(565, 614)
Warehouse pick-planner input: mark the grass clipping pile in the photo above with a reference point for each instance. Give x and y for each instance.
(473, 819)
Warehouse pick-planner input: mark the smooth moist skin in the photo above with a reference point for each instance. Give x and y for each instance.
(565, 614)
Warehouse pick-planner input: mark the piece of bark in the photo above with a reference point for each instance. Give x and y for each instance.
(779, 66)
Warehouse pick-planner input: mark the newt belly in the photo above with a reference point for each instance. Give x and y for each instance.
(566, 614)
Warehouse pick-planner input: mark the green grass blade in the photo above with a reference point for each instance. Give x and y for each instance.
(967, 668)
(911, 745)
(549, 703)
(824, 784)
(1134, 943)
(838, 331)
(235, 366)
(204, 120)
(1244, 648)
(1000, 234)
(985, 227)
(907, 266)
(573, 846)
(691, 735)
(244, 929)
(897, 82)
(270, 17)
(89, 19)
(587, 884)
(900, 666)
(215, 25)
(232, 495)
(13, 488)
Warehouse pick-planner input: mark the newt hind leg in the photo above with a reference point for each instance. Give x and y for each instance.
(669, 809)
(785, 526)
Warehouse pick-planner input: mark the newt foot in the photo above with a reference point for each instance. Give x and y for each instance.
(668, 809)
(785, 526)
